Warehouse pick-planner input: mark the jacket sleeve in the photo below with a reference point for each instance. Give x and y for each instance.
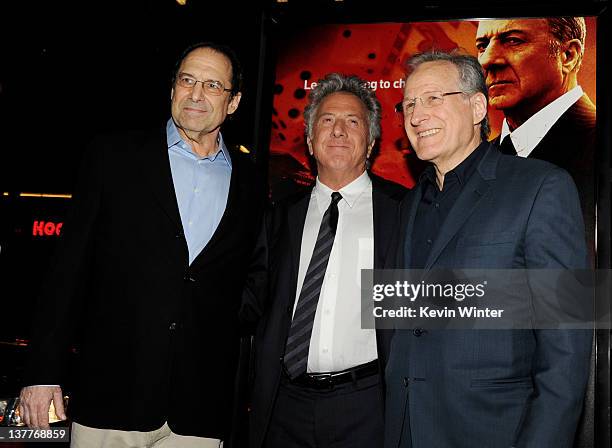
(60, 297)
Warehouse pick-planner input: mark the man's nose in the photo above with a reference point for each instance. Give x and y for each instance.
(491, 56)
(197, 91)
(339, 129)
(419, 113)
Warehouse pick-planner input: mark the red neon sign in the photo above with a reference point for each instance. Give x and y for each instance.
(46, 228)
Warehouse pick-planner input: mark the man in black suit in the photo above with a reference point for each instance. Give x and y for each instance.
(317, 372)
(475, 208)
(531, 70)
(153, 259)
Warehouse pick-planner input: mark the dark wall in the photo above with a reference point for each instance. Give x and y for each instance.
(69, 71)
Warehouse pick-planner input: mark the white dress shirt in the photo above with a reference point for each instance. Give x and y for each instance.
(338, 342)
(527, 136)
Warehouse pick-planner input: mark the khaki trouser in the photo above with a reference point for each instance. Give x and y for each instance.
(86, 437)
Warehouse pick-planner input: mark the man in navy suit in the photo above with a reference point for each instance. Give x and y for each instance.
(153, 258)
(532, 70)
(475, 207)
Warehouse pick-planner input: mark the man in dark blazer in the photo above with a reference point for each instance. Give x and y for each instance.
(532, 70)
(474, 207)
(151, 267)
(336, 397)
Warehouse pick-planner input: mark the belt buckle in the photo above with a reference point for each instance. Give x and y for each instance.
(323, 379)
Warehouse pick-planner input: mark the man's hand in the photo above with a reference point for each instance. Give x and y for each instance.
(34, 403)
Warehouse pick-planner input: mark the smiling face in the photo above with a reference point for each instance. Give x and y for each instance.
(447, 133)
(339, 141)
(521, 70)
(195, 112)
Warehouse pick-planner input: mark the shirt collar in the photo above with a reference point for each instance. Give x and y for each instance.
(461, 172)
(428, 174)
(527, 136)
(174, 139)
(350, 193)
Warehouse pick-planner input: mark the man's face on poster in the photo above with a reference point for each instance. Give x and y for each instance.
(523, 67)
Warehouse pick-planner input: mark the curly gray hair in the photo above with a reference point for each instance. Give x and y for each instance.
(335, 82)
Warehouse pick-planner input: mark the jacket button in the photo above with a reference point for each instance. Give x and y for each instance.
(172, 326)
(406, 381)
(418, 332)
(189, 278)
(179, 235)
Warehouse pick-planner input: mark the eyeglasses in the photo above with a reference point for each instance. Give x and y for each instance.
(431, 99)
(210, 86)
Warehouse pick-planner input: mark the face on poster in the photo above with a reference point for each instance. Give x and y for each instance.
(518, 51)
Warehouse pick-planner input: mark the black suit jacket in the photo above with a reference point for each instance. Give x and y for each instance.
(493, 388)
(273, 282)
(571, 144)
(159, 337)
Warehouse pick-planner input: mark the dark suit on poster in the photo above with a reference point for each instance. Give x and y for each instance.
(281, 246)
(493, 388)
(160, 337)
(570, 144)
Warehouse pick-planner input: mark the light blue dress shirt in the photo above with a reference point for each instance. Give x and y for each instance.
(201, 185)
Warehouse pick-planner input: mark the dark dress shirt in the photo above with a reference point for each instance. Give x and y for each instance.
(435, 204)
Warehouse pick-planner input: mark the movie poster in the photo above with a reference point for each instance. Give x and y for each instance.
(376, 52)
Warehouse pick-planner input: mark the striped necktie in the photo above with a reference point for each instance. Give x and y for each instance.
(298, 341)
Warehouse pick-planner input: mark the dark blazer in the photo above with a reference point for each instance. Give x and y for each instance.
(271, 291)
(159, 337)
(493, 388)
(571, 144)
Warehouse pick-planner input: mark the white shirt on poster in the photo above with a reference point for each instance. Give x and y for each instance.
(527, 136)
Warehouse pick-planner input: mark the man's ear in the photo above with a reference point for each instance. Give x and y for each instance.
(309, 143)
(233, 104)
(479, 107)
(571, 53)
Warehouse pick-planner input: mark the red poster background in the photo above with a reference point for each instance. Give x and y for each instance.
(374, 52)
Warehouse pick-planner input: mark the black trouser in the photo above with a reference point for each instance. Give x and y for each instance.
(345, 416)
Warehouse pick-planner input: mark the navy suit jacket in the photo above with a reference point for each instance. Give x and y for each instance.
(273, 282)
(493, 388)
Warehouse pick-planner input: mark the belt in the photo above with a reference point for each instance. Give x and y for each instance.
(330, 379)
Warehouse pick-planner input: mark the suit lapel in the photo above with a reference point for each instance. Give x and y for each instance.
(232, 207)
(408, 214)
(469, 198)
(567, 140)
(159, 177)
(296, 217)
(383, 209)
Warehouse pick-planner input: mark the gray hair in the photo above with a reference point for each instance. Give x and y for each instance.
(334, 83)
(471, 75)
(564, 29)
